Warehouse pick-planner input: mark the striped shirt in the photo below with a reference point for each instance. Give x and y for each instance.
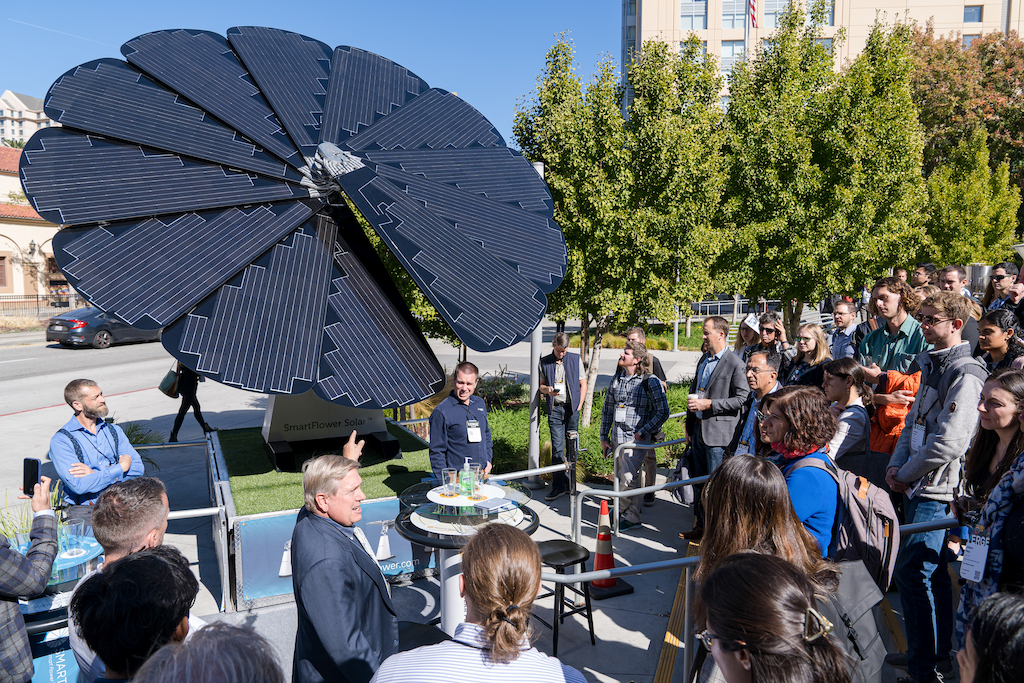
(464, 658)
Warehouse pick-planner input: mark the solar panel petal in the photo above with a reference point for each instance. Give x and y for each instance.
(151, 272)
(108, 97)
(74, 178)
(292, 72)
(363, 88)
(489, 305)
(201, 66)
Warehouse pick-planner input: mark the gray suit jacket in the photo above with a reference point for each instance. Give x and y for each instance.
(727, 389)
(347, 622)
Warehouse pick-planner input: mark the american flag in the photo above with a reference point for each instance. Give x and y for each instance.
(753, 13)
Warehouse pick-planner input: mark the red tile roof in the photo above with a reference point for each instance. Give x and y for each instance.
(9, 158)
(22, 211)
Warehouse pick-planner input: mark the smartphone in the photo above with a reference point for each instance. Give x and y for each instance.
(30, 476)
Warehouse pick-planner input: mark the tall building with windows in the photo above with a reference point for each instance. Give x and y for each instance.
(21, 116)
(720, 23)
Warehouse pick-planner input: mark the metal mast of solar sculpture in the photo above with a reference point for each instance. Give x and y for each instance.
(200, 182)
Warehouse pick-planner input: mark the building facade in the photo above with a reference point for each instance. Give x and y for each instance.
(720, 24)
(21, 116)
(27, 266)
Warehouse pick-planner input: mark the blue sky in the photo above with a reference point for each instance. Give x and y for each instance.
(489, 52)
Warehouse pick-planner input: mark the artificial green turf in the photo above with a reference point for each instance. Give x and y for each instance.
(257, 487)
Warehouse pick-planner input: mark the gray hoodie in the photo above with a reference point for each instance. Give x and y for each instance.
(951, 383)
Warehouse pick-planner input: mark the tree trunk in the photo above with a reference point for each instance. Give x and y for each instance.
(595, 363)
(791, 318)
(585, 340)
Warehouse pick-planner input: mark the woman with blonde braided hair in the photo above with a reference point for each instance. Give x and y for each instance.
(500, 580)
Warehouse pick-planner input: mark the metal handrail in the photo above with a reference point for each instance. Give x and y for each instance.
(522, 474)
(197, 512)
(577, 521)
(417, 421)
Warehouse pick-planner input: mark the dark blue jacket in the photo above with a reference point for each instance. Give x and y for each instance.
(449, 444)
(347, 622)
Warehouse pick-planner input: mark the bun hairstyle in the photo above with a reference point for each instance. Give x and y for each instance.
(766, 605)
(501, 566)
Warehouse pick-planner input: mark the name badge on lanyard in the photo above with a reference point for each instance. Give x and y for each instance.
(620, 412)
(917, 436)
(975, 556)
(473, 434)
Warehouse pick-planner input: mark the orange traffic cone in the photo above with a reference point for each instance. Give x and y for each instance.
(604, 559)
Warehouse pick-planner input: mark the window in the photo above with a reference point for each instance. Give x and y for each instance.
(631, 8)
(732, 52)
(631, 33)
(734, 13)
(826, 43)
(693, 15)
(830, 15)
(970, 39)
(972, 14)
(725, 102)
(51, 266)
(3, 271)
(773, 10)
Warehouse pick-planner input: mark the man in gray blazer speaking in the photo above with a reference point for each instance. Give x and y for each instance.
(717, 394)
(347, 622)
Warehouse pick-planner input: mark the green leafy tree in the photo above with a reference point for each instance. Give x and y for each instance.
(17, 144)
(825, 188)
(972, 210)
(635, 197)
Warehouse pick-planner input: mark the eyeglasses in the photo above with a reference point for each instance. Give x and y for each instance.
(769, 330)
(705, 637)
(804, 339)
(1002, 277)
(931, 320)
(758, 371)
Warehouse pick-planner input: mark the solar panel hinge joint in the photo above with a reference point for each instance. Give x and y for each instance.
(326, 168)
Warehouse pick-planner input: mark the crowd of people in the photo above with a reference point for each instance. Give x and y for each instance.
(922, 401)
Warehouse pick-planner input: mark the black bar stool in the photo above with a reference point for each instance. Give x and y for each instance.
(560, 554)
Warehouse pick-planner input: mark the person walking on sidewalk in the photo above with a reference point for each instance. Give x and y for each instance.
(188, 384)
(563, 381)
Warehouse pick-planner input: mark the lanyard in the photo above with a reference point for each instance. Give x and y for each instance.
(101, 453)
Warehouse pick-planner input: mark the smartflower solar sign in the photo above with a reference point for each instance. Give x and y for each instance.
(203, 182)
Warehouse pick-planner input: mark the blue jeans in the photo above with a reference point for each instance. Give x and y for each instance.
(925, 589)
(559, 426)
(706, 459)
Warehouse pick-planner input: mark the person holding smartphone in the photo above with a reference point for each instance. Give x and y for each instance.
(25, 575)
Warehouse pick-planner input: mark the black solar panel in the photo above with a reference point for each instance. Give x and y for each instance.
(110, 98)
(364, 87)
(202, 187)
(291, 71)
(73, 178)
(456, 273)
(201, 66)
(149, 273)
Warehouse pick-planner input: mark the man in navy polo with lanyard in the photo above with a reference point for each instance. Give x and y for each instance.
(88, 453)
(458, 425)
(563, 382)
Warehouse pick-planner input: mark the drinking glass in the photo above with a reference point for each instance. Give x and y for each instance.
(449, 482)
(478, 482)
(73, 531)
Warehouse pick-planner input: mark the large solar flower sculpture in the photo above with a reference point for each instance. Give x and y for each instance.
(202, 181)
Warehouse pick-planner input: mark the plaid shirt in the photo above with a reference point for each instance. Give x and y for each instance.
(643, 416)
(22, 575)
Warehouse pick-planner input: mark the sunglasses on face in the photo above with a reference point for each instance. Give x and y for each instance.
(1001, 277)
(705, 637)
(932, 320)
(803, 339)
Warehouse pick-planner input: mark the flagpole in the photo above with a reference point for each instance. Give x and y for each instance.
(746, 29)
